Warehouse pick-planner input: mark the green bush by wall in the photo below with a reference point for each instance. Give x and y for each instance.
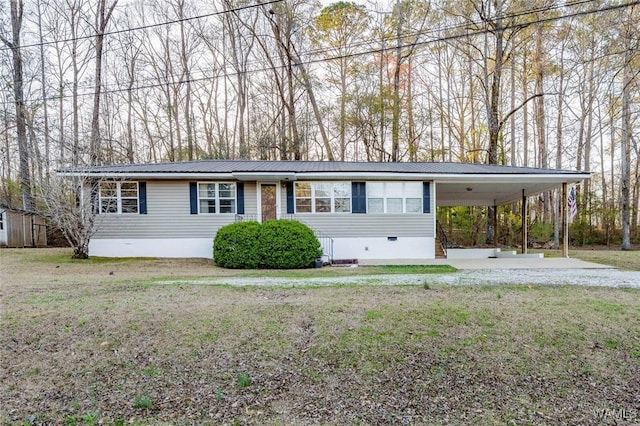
(275, 244)
(237, 246)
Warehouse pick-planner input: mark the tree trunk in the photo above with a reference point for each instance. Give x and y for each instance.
(540, 117)
(441, 100)
(559, 145)
(413, 139)
(525, 113)
(381, 100)
(306, 81)
(343, 108)
(186, 71)
(395, 124)
(47, 139)
(494, 95)
(103, 14)
(129, 148)
(625, 147)
(492, 104)
(17, 9)
(75, 150)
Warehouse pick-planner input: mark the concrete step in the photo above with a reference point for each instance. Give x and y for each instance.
(513, 254)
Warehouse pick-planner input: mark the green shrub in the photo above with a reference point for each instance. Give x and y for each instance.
(276, 244)
(541, 232)
(582, 233)
(287, 244)
(236, 246)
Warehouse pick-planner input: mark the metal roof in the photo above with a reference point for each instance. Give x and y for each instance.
(250, 166)
(457, 183)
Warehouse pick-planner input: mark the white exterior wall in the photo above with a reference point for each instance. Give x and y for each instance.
(343, 248)
(152, 247)
(471, 253)
(382, 248)
(3, 232)
(169, 230)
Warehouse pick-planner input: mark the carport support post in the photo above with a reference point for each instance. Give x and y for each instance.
(495, 225)
(565, 225)
(524, 224)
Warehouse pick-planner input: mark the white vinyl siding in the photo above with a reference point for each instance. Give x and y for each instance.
(168, 216)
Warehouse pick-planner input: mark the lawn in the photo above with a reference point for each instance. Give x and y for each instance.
(99, 342)
(629, 260)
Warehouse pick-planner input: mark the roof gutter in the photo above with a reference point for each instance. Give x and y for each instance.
(569, 177)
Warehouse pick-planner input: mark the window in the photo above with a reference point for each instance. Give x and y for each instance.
(119, 197)
(323, 197)
(394, 197)
(217, 197)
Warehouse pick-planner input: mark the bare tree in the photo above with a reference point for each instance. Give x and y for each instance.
(43, 83)
(71, 205)
(337, 30)
(103, 15)
(17, 10)
(625, 140)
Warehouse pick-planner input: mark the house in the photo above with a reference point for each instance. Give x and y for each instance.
(359, 210)
(19, 228)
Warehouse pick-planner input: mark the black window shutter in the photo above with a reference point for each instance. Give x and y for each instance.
(358, 197)
(95, 199)
(240, 198)
(426, 197)
(142, 197)
(193, 197)
(290, 201)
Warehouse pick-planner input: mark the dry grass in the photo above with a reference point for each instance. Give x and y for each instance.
(629, 260)
(81, 346)
(615, 257)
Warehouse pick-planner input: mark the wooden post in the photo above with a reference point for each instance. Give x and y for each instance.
(565, 225)
(495, 225)
(525, 238)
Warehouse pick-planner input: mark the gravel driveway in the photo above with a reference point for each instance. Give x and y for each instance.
(584, 277)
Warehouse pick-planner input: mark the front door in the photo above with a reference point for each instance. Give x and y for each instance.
(268, 201)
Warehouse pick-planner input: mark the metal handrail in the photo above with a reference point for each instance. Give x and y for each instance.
(246, 217)
(442, 236)
(326, 242)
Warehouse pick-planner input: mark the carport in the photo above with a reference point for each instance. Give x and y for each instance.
(482, 189)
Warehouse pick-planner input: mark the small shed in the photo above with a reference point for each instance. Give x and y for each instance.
(20, 228)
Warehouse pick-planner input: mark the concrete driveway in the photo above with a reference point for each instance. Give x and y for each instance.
(497, 263)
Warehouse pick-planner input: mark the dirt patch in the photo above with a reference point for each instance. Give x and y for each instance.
(83, 346)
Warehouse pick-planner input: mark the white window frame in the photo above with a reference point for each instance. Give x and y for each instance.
(390, 192)
(314, 186)
(216, 198)
(117, 199)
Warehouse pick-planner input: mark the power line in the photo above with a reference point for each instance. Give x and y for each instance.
(146, 27)
(482, 31)
(416, 34)
(234, 10)
(356, 54)
(319, 50)
(463, 25)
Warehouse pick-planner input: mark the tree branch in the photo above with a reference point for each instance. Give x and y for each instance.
(519, 107)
